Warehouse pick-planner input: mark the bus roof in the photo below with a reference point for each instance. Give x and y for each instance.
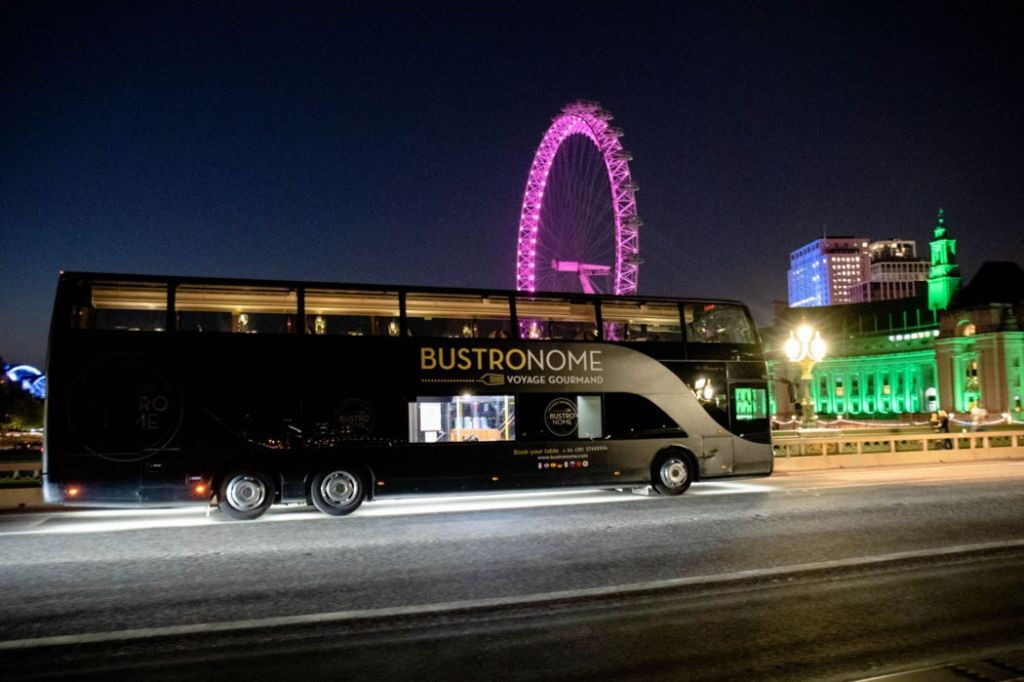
(240, 281)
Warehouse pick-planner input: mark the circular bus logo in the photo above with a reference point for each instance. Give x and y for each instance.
(125, 407)
(561, 417)
(354, 420)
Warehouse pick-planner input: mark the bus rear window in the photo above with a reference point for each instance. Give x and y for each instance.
(238, 309)
(555, 319)
(352, 313)
(458, 316)
(717, 323)
(635, 321)
(123, 306)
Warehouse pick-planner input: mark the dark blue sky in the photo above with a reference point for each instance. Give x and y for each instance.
(389, 142)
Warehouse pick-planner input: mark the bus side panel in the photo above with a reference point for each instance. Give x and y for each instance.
(505, 466)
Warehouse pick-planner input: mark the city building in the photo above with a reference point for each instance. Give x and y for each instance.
(822, 272)
(979, 353)
(895, 272)
(946, 347)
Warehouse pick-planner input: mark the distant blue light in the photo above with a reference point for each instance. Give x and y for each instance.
(38, 388)
(21, 372)
(29, 379)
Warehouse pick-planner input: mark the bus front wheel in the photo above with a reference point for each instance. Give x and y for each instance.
(337, 490)
(671, 473)
(245, 494)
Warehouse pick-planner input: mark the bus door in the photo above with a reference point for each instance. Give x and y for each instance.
(718, 455)
(749, 417)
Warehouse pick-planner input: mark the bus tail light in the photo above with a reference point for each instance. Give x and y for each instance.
(73, 491)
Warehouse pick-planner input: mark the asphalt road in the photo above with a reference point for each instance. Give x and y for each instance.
(828, 575)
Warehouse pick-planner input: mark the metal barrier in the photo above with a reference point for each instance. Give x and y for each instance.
(977, 445)
(19, 468)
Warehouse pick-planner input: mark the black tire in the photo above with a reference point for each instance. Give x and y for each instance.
(672, 473)
(337, 490)
(245, 494)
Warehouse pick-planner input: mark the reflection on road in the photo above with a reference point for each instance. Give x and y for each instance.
(99, 521)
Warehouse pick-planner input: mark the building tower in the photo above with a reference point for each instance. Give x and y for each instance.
(823, 272)
(944, 274)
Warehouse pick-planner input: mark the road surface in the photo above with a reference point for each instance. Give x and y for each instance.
(827, 575)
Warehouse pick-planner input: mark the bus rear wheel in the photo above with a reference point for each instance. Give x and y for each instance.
(245, 494)
(671, 473)
(337, 490)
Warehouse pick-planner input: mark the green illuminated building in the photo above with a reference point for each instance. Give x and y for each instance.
(944, 274)
(980, 350)
(880, 362)
(952, 348)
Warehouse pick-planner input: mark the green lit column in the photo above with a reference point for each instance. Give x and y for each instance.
(862, 387)
(878, 391)
(908, 379)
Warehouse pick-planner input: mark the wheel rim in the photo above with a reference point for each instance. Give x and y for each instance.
(674, 473)
(245, 492)
(339, 488)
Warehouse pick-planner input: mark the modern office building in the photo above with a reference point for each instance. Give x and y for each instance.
(895, 272)
(821, 273)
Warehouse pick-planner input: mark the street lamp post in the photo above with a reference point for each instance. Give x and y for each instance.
(806, 347)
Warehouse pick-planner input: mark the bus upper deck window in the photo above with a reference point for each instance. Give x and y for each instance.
(717, 323)
(458, 316)
(543, 318)
(124, 306)
(352, 313)
(636, 321)
(239, 309)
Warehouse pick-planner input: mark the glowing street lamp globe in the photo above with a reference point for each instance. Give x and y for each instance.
(806, 346)
(792, 348)
(817, 347)
(805, 343)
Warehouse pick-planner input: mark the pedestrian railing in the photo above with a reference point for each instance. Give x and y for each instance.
(996, 443)
(20, 467)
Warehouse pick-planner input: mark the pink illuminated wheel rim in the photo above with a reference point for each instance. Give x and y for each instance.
(586, 120)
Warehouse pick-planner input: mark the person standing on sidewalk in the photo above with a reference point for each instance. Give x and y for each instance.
(944, 428)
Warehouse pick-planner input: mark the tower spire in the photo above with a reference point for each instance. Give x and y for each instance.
(944, 274)
(940, 225)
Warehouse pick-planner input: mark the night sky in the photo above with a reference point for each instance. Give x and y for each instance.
(390, 142)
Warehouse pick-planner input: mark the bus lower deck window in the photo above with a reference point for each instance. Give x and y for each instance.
(462, 419)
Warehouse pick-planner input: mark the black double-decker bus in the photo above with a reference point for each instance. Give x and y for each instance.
(174, 390)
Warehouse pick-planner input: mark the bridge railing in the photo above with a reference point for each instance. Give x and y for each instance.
(980, 444)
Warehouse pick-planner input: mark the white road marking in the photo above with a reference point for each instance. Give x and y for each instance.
(138, 634)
